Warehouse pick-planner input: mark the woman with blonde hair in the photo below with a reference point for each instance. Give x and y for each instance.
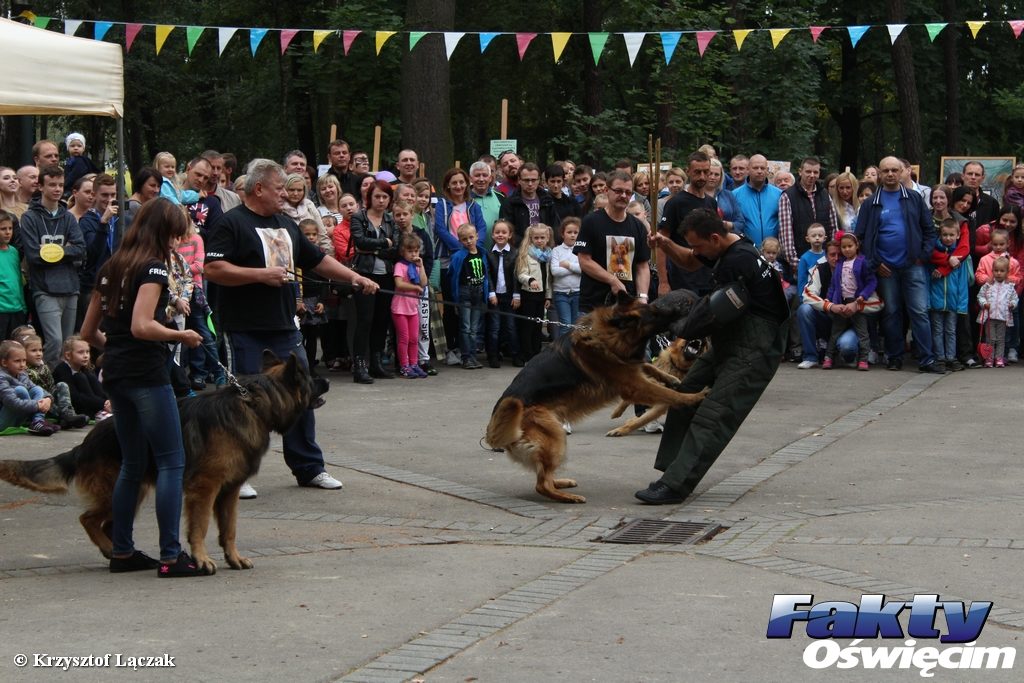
(298, 207)
(846, 201)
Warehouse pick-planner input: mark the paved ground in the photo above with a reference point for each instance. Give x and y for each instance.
(439, 562)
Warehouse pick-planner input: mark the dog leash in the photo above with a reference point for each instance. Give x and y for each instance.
(233, 381)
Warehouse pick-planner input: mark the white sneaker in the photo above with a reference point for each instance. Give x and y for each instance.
(453, 358)
(805, 364)
(324, 481)
(872, 358)
(654, 427)
(567, 426)
(247, 492)
(1011, 356)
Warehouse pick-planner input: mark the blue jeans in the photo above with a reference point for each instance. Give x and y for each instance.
(815, 325)
(148, 426)
(501, 328)
(906, 289)
(10, 416)
(203, 360)
(567, 304)
(943, 334)
(302, 454)
(471, 301)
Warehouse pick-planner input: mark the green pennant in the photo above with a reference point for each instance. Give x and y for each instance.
(934, 30)
(42, 22)
(192, 34)
(414, 37)
(597, 41)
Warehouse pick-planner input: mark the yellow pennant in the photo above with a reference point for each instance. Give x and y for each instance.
(162, 31)
(319, 37)
(382, 37)
(975, 26)
(558, 42)
(777, 35)
(740, 35)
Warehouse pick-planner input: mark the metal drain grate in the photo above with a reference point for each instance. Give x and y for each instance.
(661, 531)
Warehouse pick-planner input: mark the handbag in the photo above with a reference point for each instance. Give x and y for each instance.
(985, 349)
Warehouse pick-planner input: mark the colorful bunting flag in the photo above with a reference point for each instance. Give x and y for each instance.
(703, 38)
(523, 41)
(633, 43)
(597, 42)
(669, 41)
(319, 37)
(894, 32)
(816, 32)
(28, 14)
(975, 26)
(558, 43)
(287, 36)
(70, 26)
(41, 22)
(130, 33)
(100, 28)
(485, 40)
(192, 34)
(162, 31)
(934, 30)
(223, 36)
(382, 37)
(856, 33)
(777, 35)
(256, 36)
(414, 37)
(346, 40)
(740, 35)
(451, 40)
(1017, 27)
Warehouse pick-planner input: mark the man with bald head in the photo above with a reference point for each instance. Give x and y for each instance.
(759, 201)
(783, 180)
(897, 236)
(28, 183)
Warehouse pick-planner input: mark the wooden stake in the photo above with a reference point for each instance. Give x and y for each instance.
(423, 170)
(334, 132)
(376, 149)
(458, 164)
(504, 119)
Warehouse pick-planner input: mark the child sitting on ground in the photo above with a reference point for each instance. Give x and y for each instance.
(62, 409)
(86, 393)
(853, 283)
(22, 403)
(998, 299)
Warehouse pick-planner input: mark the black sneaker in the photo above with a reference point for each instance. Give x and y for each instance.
(932, 368)
(70, 420)
(137, 562)
(428, 368)
(954, 366)
(183, 566)
(660, 493)
(894, 364)
(42, 428)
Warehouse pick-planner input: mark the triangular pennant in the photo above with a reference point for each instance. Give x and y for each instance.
(558, 43)
(816, 32)
(597, 41)
(523, 41)
(894, 32)
(70, 26)
(740, 35)
(777, 35)
(634, 41)
(669, 41)
(934, 30)
(414, 37)
(975, 26)
(346, 40)
(319, 37)
(192, 34)
(162, 31)
(703, 38)
(255, 38)
(856, 33)
(100, 28)
(485, 40)
(223, 37)
(287, 36)
(131, 31)
(41, 22)
(382, 37)
(451, 40)
(1017, 27)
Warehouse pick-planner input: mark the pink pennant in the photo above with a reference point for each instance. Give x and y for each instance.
(1017, 27)
(703, 38)
(287, 34)
(346, 39)
(816, 31)
(130, 32)
(523, 41)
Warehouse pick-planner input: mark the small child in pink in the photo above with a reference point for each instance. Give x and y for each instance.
(410, 283)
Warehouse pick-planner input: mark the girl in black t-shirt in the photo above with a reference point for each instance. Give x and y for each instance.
(126, 318)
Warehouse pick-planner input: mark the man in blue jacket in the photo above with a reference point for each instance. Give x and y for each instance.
(759, 201)
(897, 235)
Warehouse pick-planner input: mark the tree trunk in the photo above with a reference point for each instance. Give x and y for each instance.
(950, 71)
(906, 88)
(426, 89)
(850, 114)
(593, 16)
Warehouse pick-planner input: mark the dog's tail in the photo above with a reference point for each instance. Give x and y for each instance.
(505, 427)
(51, 475)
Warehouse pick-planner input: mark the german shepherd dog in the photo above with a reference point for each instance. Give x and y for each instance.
(225, 434)
(676, 360)
(578, 374)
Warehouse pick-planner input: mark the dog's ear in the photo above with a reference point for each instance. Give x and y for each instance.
(269, 360)
(291, 368)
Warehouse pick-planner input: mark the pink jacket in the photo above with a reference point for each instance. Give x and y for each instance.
(984, 272)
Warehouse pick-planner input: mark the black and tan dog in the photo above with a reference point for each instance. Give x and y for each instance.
(226, 435)
(578, 374)
(676, 360)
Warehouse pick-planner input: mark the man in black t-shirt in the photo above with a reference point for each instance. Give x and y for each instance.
(613, 250)
(744, 355)
(253, 255)
(677, 208)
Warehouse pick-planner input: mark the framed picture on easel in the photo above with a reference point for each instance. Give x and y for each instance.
(997, 171)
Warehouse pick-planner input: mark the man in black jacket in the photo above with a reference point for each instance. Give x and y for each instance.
(527, 206)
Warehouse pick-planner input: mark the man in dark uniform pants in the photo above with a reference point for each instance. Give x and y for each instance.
(746, 348)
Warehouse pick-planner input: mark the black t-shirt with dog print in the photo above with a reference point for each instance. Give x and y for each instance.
(617, 248)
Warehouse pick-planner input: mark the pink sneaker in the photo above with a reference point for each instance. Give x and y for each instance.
(1000, 363)
(862, 365)
(826, 364)
(988, 363)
